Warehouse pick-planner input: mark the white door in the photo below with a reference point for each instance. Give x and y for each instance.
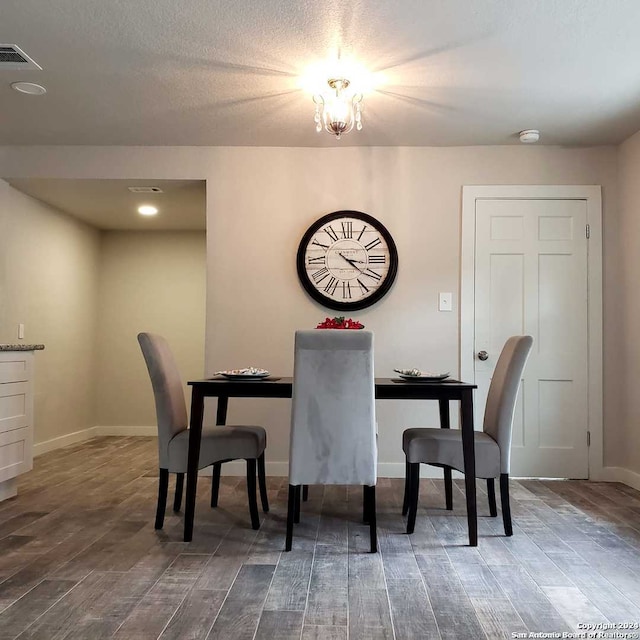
(531, 278)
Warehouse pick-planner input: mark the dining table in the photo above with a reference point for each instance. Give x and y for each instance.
(444, 391)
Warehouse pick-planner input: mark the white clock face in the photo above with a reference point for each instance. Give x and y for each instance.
(348, 259)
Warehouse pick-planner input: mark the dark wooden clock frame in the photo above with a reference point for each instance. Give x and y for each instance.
(382, 290)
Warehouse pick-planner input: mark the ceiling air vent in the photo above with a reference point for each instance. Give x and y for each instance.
(13, 57)
(145, 189)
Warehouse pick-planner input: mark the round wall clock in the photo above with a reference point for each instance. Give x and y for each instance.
(347, 260)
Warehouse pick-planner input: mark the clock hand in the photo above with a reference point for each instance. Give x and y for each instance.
(351, 259)
(351, 262)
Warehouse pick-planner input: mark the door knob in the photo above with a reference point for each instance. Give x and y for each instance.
(483, 355)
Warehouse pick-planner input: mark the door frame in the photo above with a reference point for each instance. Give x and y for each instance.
(592, 194)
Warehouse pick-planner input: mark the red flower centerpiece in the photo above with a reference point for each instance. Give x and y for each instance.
(339, 322)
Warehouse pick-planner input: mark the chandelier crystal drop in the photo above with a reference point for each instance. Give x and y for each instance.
(337, 109)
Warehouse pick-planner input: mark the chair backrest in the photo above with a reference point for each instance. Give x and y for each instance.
(333, 423)
(503, 393)
(171, 411)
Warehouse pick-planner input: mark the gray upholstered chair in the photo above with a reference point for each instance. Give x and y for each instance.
(219, 444)
(443, 447)
(333, 422)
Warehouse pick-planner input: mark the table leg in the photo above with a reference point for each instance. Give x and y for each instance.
(468, 449)
(221, 418)
(445, 423)
(195, 433)
(221, 413)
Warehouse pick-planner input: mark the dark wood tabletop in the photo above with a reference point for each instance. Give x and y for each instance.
(282, 387)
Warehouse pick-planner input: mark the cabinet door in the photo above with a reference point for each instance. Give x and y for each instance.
(15, 406)
(16, 414)
(15, 367)
(15, 453)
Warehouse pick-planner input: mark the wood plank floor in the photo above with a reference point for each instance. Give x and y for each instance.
(79, 558)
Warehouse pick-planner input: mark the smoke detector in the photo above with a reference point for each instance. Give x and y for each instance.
(30, 88)
(12, 57)
(529, 135)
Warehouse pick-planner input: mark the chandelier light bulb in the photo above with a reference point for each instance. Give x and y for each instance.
(338, 109)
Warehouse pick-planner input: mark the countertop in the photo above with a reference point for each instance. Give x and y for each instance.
(21, 347)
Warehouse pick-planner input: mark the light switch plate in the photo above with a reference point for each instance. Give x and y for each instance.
(20, 331)
(445, 302)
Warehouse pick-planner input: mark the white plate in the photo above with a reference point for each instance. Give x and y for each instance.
(244, 374)
(425, 375)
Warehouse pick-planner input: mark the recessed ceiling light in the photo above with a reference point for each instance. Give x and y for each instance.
(147, 210)
(31, 88)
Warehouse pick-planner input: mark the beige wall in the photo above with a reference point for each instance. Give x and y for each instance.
(49, 282)
(260, 201)
(149, 281)
(627, 430)
(86, 295)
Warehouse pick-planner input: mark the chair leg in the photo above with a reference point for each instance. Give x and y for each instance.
(305, 492)
(365, 504)
(370, 493)
(504, 502)
(414, 475)
(163, 489)
(448, 489)
(296, 511)
(177, 500)
(262, 482)
(215, 484)
(251, 491)
(491, 493)
(290, 512)
(405, 500)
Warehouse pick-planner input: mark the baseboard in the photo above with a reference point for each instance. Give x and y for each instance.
(390, 469)
(620, 474)
(63, 441)
(126, 430)
(92, 432)
(281, 468)
(239, 468)
(396, 470)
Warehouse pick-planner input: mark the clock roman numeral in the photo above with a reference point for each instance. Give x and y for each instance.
(319, 244)
(372, 244)
(381, 259)
(320, 275)
(347, 229)
(372, 274)
(330, 232)
(363, 286)
(332, 285)
(346, 289)
(318, 260)
(363, 230)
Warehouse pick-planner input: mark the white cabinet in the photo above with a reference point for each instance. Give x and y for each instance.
(16, 418)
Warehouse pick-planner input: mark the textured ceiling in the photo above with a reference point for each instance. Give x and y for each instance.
(227, 72)
(108, 204)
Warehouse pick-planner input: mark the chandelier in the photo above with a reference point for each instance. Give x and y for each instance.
(337, 109)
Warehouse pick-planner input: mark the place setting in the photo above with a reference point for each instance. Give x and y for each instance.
(417, 375)
(244, 374)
